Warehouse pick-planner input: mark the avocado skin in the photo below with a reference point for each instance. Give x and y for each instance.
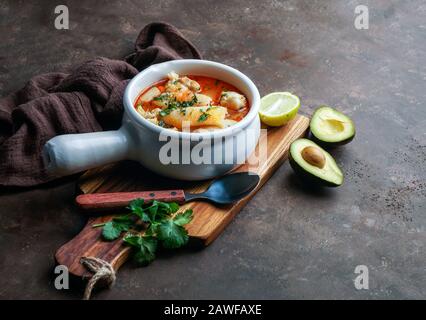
(329, 145)
(326, 144)
(308, 177)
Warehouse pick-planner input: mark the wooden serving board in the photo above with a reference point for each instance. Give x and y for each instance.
(208, 222)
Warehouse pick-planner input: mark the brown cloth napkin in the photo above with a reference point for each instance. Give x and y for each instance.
(85, 100)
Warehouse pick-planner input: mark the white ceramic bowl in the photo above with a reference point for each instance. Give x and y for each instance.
(140, 140)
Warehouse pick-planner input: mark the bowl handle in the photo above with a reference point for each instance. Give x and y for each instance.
(71, 153)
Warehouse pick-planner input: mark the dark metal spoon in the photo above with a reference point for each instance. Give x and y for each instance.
(227, 189)
(224, 190)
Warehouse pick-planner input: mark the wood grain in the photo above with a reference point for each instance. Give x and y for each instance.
(117, 200)
(209, 220)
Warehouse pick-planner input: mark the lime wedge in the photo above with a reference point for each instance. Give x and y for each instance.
(278, 108)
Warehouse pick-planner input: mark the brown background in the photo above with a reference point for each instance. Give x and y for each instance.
(289, 242)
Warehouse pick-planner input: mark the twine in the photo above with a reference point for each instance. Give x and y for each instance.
(103, 271)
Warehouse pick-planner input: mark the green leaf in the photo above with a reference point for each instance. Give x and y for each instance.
(125, 219)
(183, 218)
(132, 240)
(143, 258)
(152, 229)
(136, 204)
(122, 225)
(113, 229)
(165, 208)
(138, 208)
(174, 207)
(171, 235)
(161, 210)
(145, 247)
(167, 110)
(152, 210)
(110, 231)
(143, 215)
(203, 117)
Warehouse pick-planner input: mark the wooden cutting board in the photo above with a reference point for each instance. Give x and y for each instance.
(208, 222)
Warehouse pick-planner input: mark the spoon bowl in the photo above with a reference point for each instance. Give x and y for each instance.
(228, 189)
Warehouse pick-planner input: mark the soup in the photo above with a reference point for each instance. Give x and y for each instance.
(194, 102)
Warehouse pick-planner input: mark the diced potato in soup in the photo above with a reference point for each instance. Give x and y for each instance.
(198, 101)
(150, 95)
(193, 116)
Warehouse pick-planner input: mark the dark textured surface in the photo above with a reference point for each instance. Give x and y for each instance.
(289, 242)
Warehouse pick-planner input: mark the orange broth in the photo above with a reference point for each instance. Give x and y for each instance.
(209, 86)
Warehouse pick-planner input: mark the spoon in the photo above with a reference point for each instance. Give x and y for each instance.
(224, 190)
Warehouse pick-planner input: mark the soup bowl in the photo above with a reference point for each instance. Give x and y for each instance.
(175, 154)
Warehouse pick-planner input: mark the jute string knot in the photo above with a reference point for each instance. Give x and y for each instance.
(103, 272)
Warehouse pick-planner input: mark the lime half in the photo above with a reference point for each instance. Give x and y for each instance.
(278, 108)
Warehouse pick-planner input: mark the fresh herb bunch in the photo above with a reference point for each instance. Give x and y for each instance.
(161, 223)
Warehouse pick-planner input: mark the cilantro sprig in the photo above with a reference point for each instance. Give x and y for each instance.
(161, 223)
(203, 117)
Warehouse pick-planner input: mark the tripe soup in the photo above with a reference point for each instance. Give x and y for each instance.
(199, 102)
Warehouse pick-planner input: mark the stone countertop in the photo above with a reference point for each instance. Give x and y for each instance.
(289, 242)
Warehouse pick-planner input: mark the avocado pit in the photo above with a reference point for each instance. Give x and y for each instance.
(313, 164)
(314, 156)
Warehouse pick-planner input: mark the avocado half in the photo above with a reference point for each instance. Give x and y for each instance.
(313, 164)
(331, 128)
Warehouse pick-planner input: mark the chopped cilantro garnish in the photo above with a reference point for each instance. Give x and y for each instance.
(167, 111)
(173, 104)
(203, 117)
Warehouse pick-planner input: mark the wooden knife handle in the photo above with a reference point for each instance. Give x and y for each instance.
(116, 200)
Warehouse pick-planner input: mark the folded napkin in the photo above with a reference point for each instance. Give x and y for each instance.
(87, 99)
